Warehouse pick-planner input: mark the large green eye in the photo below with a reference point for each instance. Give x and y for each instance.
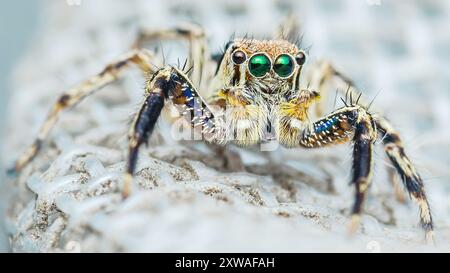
(284, 66)
(259, 65)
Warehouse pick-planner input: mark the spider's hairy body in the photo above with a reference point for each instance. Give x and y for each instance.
(256, 95)
(263, 109)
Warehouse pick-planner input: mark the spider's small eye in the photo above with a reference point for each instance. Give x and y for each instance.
(259, 65)
(301, 58)
(284, 66)
(239, 57)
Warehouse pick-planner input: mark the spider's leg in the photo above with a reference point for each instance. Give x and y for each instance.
(354, 124)
(355, 121)
(396, 184)
(76, 94)
(196, 37)
(168, 83)
(320, 77)
(410, 177)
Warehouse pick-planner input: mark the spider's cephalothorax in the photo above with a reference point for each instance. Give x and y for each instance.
(263, 67)
(260, 89)
(255, 95)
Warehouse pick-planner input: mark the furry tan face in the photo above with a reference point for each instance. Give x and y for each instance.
(266, 66)
(272, 47)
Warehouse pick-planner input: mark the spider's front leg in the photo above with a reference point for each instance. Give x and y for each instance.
(321, 76)
(348, 124)
(168, 83)
(354, 123)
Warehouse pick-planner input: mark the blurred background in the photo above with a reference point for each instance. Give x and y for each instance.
(399, 49)
(18, 24)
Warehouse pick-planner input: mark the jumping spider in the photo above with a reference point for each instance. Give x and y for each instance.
(255, 95)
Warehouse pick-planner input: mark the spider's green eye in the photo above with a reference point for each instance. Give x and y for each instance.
(259, 65)
(284, 66)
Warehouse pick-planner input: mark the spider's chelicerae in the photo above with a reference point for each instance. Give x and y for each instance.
(252, 95)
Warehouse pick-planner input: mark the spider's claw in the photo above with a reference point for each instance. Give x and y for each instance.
(354, 224)
(128, 179)
(12, 171)
(429, 238)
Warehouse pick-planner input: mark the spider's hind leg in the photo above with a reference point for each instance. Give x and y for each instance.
(73, 96)
(407, 172)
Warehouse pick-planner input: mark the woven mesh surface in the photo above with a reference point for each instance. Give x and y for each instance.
(287, 200)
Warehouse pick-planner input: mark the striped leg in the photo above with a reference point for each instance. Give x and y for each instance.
(348, 124)
(412, 181)
(173, 84)
(71, 97)
(396, 184)
(410, 177)
(323, 73)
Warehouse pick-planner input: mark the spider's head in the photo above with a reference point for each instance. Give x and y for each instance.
(267, 66)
